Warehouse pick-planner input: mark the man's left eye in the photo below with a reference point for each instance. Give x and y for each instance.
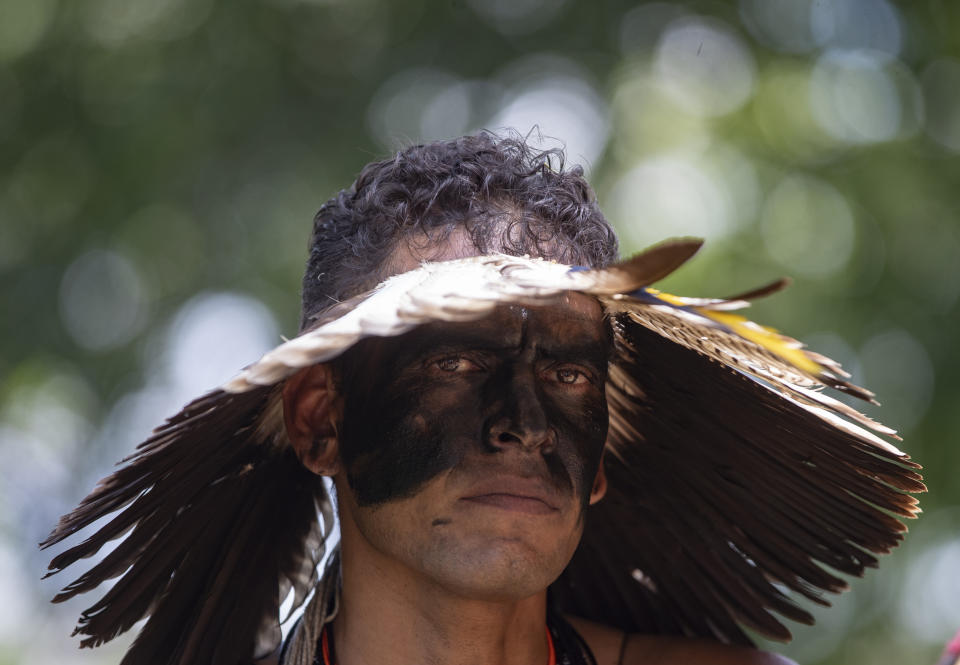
(570, 376)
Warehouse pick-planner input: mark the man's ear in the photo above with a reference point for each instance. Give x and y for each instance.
(599, 488)
(311, 411)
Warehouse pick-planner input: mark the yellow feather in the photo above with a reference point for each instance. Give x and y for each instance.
(785, 347)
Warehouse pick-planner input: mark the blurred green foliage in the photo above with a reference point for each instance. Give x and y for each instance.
(153, 150)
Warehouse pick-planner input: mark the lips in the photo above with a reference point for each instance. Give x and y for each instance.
(523, 495)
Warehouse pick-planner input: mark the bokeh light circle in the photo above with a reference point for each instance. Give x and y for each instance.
(23, 26)
(212, 337)
(517, 17)
(928, 608)
(641, 27)
(856, 24)
(561, 107)
(898, 369)
(783, 25)
(854, 98)
(668, 196)
(102, 300)
(113, 23)
(807, 226)
(404, 109)
(553, 100)
(941, 90)
(705, 67)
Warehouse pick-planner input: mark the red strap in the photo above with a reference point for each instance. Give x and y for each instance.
(325, 648)
(552, 657)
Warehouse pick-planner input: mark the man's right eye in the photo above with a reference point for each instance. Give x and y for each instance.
(454, 364)
(451, 364)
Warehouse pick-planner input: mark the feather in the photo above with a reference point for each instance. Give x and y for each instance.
(648, 267)
(735, 483)
(725, 493)
(222, 522)
(775, 286)
(459, 290)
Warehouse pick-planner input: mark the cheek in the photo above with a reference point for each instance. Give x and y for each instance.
(398, 439)
(582, 432)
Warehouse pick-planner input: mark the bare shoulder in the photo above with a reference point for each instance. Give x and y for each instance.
(606, 644)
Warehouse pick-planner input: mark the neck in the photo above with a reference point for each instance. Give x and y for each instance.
(391, 614)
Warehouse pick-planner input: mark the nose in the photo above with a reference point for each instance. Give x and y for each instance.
(521, 421)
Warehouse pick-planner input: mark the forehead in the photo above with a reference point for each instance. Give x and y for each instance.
(573, 317)
(456, 243)
(571, 313)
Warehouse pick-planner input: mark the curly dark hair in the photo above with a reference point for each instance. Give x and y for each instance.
(508, 196)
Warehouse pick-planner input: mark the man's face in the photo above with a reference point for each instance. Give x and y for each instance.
(470, 449)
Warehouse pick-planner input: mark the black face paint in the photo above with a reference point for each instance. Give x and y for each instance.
(429, 401)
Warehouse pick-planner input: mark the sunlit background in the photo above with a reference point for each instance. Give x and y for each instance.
(161, 160)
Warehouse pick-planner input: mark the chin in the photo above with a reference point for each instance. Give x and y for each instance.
(497, 571)
(498, 585)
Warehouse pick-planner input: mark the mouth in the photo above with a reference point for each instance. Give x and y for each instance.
(513, 503)
(521, 495)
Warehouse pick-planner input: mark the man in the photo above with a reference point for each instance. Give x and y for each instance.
(471, 445)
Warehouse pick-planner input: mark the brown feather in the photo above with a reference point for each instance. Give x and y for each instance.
(649, 266)
(763, 291)
(720, 490)
(723, 493)
(221, 522)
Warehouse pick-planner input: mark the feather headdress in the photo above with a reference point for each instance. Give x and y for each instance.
(732, 476)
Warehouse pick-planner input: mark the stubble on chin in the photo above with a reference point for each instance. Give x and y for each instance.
(486, 555)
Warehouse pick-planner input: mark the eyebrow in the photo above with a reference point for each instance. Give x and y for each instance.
(433, 340)
(593, 352)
